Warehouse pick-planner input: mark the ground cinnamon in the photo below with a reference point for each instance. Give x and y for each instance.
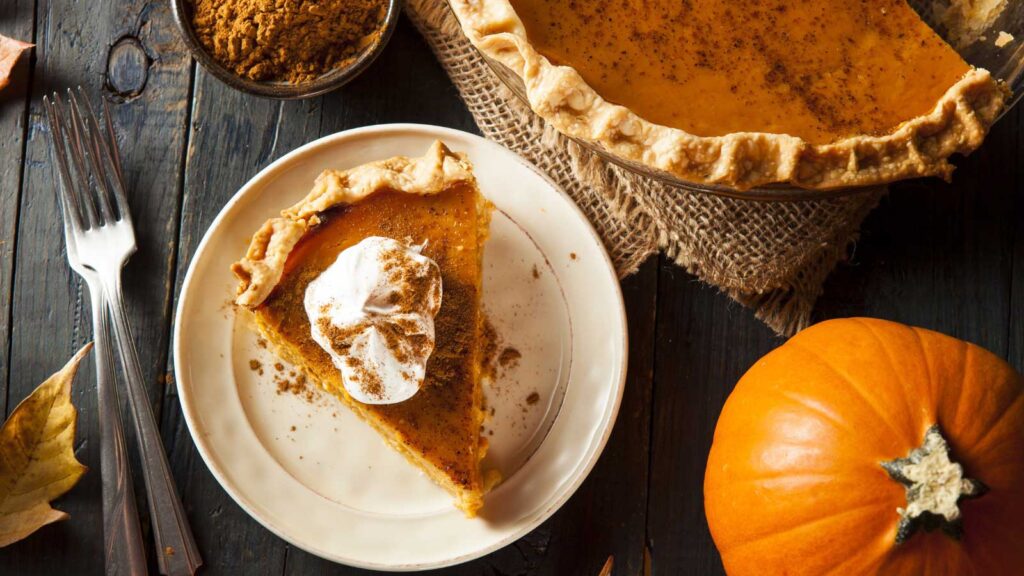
(291, 41)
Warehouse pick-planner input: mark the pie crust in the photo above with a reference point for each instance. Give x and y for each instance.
(919, 147)
(261, 268)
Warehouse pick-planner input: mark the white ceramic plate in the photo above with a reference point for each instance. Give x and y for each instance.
(311, 472)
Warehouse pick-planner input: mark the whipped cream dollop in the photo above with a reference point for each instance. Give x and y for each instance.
(373, 311)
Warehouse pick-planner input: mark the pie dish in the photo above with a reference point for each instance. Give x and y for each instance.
(819, 94)
(431, 201)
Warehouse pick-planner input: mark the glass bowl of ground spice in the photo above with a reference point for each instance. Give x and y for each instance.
(286, 48)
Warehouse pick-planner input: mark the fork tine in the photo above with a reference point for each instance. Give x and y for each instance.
(107, 155)
(80, 170)
(123, 209)
(112, 140)
(111, 159)
(58, 137)
(88, 141)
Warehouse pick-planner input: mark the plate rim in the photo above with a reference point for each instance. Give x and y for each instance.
(579, 475)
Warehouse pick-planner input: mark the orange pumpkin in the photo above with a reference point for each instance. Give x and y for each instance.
(868, 447)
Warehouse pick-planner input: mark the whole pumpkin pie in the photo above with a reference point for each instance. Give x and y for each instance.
(816, 93)
(377, 267)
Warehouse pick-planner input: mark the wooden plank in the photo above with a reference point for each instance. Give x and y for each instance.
(13, 119)
(1014, 186)
(50, 317)
(704, 343)
(232, 136)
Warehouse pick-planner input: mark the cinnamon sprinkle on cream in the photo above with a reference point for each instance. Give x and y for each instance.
(373, 312)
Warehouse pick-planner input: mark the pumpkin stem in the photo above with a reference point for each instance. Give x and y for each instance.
(935, 485)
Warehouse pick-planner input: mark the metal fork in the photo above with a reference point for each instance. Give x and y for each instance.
(98, 222)
(122, 539)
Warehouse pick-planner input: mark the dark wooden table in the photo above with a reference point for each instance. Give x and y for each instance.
(947, 257)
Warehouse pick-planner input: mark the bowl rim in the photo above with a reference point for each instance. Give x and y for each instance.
(332, 80)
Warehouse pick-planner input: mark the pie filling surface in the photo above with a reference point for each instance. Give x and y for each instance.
(821, 70)
(440, 421)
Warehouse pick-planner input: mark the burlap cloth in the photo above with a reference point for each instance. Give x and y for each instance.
(770, 256)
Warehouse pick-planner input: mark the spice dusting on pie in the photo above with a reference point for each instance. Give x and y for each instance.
(770, 67)
(818, 93)
(398, 222)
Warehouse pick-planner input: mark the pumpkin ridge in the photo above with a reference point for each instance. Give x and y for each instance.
(804, 525)
(927, 360)
(850, 381)
(965, 367)
(841, 567)
(991, 468)
(808, 404)
(816, 478)
(979, 444)
(733, 479)
(908, 412)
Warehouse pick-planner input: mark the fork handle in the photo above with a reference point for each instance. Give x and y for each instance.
(177, 554)
(123, 550)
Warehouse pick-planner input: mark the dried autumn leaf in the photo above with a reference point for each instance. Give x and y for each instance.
(10, 49)
(37, 459)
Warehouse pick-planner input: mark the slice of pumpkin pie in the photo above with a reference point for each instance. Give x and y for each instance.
(371, 285)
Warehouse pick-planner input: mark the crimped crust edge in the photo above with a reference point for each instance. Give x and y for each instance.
(261, 268)
(919, 147)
